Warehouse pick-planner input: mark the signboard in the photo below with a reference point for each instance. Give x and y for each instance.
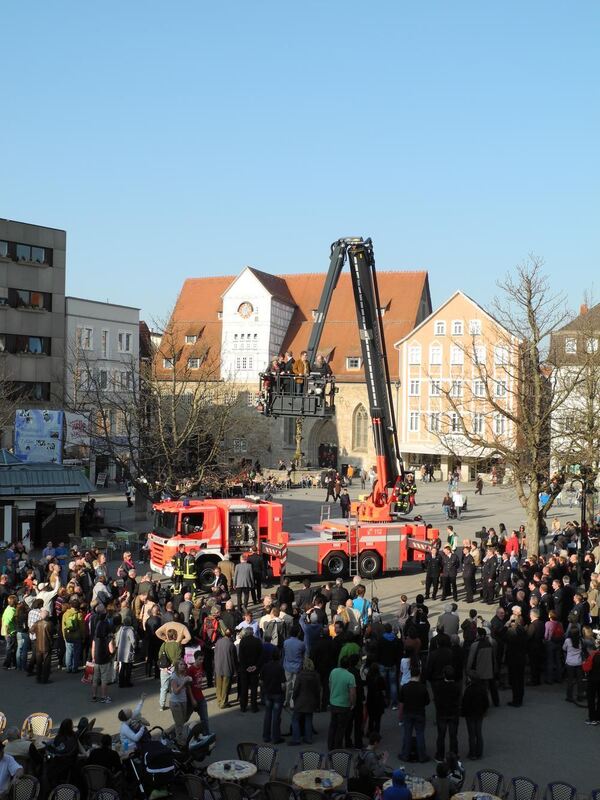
(39, 436)
(77, 429)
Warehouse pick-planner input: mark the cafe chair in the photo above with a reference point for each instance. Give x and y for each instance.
(36, 761)
(522, 789)
(308, 759)
(233, 791)
(356, 796)
(245, 751)
(96, 778)
(37, 724)
(279, 790)
(25, 788)
(489, 781)
(595, 795)
(106, 794)
(265, 759)
(311, 794)
(196, 788)
(342, 762)
(64, 791)
(558, 790)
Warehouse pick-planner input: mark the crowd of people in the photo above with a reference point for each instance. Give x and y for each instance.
(319, 648)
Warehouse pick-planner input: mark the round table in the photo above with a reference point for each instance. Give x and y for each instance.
(475, 795)
(236, 770)
(419, 787)
(313, 779)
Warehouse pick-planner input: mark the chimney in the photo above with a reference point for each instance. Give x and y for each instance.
(583, 309)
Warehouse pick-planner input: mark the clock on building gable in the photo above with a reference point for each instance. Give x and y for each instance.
(245, 310)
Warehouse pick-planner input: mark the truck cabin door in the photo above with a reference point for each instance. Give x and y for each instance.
(192, 523)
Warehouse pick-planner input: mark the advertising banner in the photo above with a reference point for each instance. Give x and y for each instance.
(39, 435)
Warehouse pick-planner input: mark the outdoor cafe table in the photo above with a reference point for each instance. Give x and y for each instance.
(20, 747)
(313, 779)
(231, 770)
(475, 796)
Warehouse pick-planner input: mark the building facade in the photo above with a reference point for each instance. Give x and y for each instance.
(32, 317)
(101, 368)
(457, 371)
(240, 324)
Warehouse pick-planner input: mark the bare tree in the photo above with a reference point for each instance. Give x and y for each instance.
(8, 400)
(163, 422)
(508, 410)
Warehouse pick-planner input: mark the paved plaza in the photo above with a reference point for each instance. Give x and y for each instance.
(545, 740)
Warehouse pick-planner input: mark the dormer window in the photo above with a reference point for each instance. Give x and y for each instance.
(191, 339)
(353, 362)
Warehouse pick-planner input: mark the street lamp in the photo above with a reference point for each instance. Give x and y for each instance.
(586, 480)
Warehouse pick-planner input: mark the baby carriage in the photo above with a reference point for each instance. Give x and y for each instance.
(154, 769)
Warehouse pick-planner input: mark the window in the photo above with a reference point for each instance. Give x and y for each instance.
(435, 354)
(104, 344)
(434, 422)
(2, 343)
(37, 345)
(190, 339)
(479, 388)
(3, 296)
(124, 342)
(500, 388)
(414, 388)
(440, 328)
(479, 353)
(414, 354)
(85, 338)
(168, 363)
(3, 249)
(235, 341)
(457, 327)
(360, 428)
(455, 423)
(570, 345)
(32, 390)
(289, 431)
(475, 327)
(255, 341)
(435, 388)
(457, 356)
(499, 424)
(456, 390)
(591, 345)
(501, 355)
(23, 298)
(353, 362)
(103, 379)
(23, 252)
(26, 252)
(478, 423)
(193, 363)
(240, 445)
(413, 421)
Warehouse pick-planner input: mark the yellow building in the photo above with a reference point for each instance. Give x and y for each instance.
(457, 373)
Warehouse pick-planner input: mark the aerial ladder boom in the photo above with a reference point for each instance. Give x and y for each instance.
(361, 261)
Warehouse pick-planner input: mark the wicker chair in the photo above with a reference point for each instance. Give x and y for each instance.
(522, 789)
(489, 781)
(356, 796)
(196, 788)
(106, 794)
(245, 751)
(557, 790)
(96, 778)
(279, 790)
(308, 759)
(342, 762)
(311, 794)
(37, 724)
(232, 791)
(265, 759)
(64, 791)
(25, 788)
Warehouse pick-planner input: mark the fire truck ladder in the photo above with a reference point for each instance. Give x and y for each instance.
(353, 546)
(325, 512)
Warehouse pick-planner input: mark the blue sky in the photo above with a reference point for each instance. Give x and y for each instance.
(192, 138)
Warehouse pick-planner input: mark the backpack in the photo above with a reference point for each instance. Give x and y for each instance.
(72, 625)
(164, 662)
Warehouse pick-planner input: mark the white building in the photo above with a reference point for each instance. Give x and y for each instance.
(102, 340)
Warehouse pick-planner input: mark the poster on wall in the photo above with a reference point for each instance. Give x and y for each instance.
(77, 434)
(39, 435)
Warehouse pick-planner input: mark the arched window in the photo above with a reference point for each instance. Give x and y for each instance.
(360, 428)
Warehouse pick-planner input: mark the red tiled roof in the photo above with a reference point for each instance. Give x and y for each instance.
(401, 293)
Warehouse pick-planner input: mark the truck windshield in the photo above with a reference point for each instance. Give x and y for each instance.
(165, 523)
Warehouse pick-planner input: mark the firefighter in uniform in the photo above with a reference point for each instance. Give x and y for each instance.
(178, 569)
(189, 570)
(408, 491)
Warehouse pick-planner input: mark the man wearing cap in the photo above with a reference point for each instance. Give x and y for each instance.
(47, 594)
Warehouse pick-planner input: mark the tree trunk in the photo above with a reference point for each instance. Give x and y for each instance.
(141, 505)
(532, 522)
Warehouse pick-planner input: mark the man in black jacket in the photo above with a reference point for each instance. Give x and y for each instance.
(339, 596)
(488, 576)
(535, 646)
(433, 568)
(257, 563)
(250, 660)
(414, 697)
(505, 574)
(304, 596)
(450, 565)
(446, 696)
(468, 571)
(516, 656)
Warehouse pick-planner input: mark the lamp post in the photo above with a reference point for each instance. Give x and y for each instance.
(586, 481)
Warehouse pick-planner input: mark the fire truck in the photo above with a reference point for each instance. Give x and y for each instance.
(377, 537)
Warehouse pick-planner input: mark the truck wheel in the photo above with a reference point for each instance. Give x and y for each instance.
(369, 564)
(336, 565)
(205, 571)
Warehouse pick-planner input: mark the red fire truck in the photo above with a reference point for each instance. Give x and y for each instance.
(377, 537)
